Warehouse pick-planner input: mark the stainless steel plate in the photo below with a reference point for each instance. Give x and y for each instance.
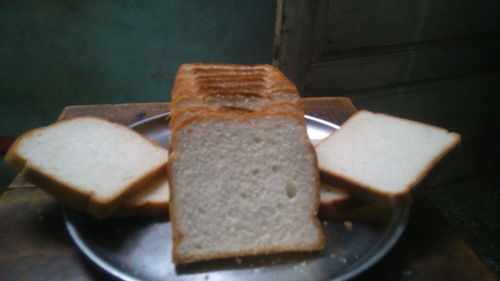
(139, 248)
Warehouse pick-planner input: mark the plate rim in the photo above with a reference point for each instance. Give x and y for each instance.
(397, 225)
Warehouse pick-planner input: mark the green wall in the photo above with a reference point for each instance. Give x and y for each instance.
(59, 53)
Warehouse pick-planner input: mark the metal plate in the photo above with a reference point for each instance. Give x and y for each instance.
(139, 248)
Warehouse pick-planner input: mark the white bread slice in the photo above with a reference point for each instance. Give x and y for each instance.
(242, 185)
(380, 158)
(87, 163)
(336, 203)
(151, 200)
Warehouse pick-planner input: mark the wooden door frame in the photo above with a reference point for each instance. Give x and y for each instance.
(292, 38)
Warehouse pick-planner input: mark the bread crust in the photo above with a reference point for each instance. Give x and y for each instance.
(193, 66)
(199, 80)
(201, 109)
(232, 93)
(280, 107)
(177, 234)
(67, 194)
(147, 209)
(232, 97)
(12, 157)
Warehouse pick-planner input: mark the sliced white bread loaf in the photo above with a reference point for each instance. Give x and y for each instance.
(380, 158)
(242, 185)
(87, 163)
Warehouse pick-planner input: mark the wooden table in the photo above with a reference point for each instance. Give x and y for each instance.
(34, 244)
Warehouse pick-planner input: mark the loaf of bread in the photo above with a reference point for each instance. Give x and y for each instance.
(242, 181)
(88, 163)
(380, 158)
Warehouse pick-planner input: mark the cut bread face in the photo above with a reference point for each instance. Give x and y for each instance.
(380, 158)
(87, 163)
(243, 185)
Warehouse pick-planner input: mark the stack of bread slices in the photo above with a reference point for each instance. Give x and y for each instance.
(94, 165)
(243, 174)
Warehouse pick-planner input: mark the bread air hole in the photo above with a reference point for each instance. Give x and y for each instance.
(275, 168)
(291, 190)
(257, 140)
(255, 171)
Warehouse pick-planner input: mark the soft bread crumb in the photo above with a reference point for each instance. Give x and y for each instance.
(259, 189)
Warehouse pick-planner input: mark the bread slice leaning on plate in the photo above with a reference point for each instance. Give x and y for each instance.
(380, 158)
(88, 163)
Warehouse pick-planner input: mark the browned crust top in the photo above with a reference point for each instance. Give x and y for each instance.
(200, 79)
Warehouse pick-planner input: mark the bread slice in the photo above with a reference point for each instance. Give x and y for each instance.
(242, 185)
(380, 158)
(333, 200)
(151, 200)
(87, 163)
